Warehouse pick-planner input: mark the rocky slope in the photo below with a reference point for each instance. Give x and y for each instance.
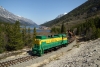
(87, 54)
(6, 16)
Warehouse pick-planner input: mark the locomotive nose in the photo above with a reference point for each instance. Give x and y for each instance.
(34, 52)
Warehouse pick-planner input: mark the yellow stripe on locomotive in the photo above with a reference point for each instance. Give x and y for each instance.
(49, 40)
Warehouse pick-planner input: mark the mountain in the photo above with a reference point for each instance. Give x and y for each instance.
(6, 16)
(89, 9)
(59, 16)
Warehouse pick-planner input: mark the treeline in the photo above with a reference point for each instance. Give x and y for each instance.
(12, 37)
(90, 29)
(57, 30)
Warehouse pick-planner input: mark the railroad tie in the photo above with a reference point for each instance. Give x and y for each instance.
(1, 65)
(23, 59)
(6, 64)
(26, 59)
(12, 62)
(19, 59)
(9, 63)
(16, 61)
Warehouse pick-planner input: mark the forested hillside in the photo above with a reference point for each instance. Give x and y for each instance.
(88, 30)
(12, 37)
(78, 15)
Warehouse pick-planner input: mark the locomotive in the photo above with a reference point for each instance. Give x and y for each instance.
(43, 43)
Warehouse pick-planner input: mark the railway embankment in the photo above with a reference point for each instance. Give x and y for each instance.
(84, 54)
(76, 54)
(18, 61)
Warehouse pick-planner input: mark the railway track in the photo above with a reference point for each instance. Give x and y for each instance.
(20, 60)
(16, 61)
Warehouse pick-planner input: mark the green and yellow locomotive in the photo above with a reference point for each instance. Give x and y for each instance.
(43, 43)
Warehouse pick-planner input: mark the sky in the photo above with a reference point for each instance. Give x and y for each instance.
(40, 11)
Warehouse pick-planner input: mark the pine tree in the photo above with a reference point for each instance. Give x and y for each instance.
(29, 38)
(94, 32)
(18, 36)
(34, 35)
(14, 37)
(24, 36)
(97, 33)
(63, 28)
(58, 30)
(2, 45)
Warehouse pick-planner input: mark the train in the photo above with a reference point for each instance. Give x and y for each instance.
(43, 43)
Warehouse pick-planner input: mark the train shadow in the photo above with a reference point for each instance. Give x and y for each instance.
(30, 52)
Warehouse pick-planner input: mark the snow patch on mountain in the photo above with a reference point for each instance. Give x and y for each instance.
(10, 17)
(61, 15)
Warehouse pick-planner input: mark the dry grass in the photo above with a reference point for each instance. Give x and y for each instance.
(69, 50)
(77, 45)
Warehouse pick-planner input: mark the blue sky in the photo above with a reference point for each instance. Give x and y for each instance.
(40, 11)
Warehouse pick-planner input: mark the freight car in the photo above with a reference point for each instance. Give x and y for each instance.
(43, 43)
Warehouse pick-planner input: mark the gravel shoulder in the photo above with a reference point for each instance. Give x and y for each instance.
(46, 58)
(86, 54)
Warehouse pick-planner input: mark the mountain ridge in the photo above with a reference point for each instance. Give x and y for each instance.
(60, 15)
(78, 15)
(6, 16)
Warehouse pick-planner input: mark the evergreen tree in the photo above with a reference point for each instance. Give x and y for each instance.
(2, 45)
(18, 37)
(24, 36)
(14, 37)
(63, 28)
(98, 33)
(29, 38)
(94, 32)
(58, 30)
(34, 35)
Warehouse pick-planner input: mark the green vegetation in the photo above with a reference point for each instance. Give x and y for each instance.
(90, 29)
(63, 28)
(14, 38)
(57, 30)
(34, 36)
(78, 15)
